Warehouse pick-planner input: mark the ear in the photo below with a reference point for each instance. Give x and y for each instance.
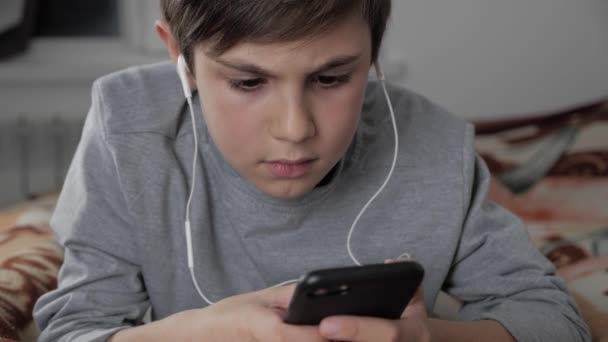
(164, 33)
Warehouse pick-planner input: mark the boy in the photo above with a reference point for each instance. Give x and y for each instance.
(293, 142)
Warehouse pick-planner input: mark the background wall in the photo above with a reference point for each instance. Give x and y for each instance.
(487, 58)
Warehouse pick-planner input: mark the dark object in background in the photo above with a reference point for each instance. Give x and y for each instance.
(77, 18)
(15, 39)
(59, 18)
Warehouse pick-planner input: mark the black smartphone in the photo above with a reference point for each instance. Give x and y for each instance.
(378, 290)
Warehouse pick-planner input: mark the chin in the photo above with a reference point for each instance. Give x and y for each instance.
(288, 191)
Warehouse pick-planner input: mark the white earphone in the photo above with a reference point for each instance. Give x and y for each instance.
(182, 71)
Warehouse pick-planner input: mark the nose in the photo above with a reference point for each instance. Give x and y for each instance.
(294, 122)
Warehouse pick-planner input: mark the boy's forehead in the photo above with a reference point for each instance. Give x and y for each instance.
(347, 38)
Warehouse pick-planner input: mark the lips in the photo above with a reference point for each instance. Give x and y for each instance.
(284, 168)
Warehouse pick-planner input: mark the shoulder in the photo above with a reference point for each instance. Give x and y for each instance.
(134, 122)
(429, 135)
(140, 99)
(413, 111)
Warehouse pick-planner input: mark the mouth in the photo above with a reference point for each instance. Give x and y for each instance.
(289, 169)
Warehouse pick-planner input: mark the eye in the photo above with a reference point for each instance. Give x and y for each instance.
(327, 81)
(247, 84)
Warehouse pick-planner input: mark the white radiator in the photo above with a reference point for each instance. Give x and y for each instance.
(35, 154)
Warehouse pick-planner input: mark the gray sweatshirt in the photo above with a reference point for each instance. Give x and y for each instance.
(121, 214)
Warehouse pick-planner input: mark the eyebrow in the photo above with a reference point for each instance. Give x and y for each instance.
(257, 70)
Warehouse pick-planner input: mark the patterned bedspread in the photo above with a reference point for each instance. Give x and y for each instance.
(29, 261)
(552, 171)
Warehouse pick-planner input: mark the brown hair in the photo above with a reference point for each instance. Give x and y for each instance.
(228, 22)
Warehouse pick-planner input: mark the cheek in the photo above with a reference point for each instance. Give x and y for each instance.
(338, 119)
(232, 123)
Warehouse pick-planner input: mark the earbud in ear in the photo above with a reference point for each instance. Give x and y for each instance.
(182, 71)
(379, 72)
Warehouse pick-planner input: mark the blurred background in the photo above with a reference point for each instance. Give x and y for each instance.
(481, 59)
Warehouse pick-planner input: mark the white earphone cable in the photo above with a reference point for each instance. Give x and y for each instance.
(390, 172)
(188, 226)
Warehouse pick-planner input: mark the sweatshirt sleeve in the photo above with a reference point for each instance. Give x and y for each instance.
(500, 275)
(100, 288)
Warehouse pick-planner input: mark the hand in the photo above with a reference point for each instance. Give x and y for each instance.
(251, 317)
(413, 325)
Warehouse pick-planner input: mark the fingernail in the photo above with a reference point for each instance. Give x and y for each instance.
(329, 328)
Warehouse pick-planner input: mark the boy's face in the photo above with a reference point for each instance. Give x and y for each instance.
(284, 114)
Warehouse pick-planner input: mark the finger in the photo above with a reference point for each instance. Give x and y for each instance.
(416, 306)
(392, 261)
(359, 329)
(279, 296)
(272, 328)
(303, 333)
